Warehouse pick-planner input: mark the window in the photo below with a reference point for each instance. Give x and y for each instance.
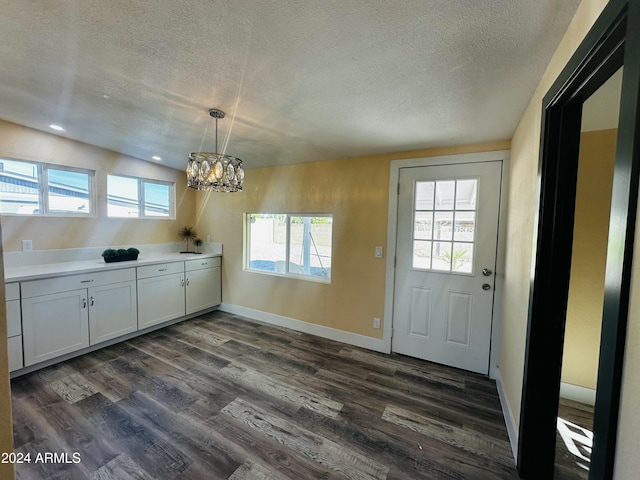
(30, 188)
(139, 197)
(444, 225)
(290, 245)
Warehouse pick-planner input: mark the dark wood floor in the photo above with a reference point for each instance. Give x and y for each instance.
(222, 397)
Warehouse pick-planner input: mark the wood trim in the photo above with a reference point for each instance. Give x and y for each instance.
(606, 47)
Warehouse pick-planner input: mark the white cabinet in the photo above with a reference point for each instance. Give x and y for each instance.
(161, 293)
(203, 284)
(57, 312)
(54, 324)
(112, 311)
(14, 326)
(54, 316)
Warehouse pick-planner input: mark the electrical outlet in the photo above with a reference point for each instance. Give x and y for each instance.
(208, 238)
(376, 323)
(27, 245)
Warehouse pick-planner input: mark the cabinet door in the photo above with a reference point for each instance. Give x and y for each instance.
(160, 299)
(203, 289)
(112, 311)
(53, 325)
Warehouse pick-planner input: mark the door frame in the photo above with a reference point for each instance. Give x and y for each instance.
(396, 165)
(608, 45)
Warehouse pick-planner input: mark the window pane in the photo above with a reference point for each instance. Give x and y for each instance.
(122, 196)
(157, 200)
(445, 191)
(443, 226)
(442, 256)
(19, 188)
(423, 226)
(424, 195)
(462, 258)
(465, 228)
(466, 192)
(421, 254)
(68, 192)
(267, 236)
(310, 246)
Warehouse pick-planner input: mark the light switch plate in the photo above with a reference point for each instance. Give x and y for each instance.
(378, 252)
(27, 245)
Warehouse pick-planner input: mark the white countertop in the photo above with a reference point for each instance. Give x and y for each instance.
(47, 270)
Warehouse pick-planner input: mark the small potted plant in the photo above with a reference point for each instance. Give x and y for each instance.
(110, 255)
(187, 233)
(120, 255)
(197, 243)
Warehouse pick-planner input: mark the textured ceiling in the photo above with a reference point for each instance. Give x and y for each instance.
(300, 80)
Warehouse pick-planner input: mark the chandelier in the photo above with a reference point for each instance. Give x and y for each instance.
(212, 171)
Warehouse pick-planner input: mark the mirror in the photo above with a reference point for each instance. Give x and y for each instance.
(581, 349)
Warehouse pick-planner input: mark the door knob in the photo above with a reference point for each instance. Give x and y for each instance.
(486, 286)
(487, 272)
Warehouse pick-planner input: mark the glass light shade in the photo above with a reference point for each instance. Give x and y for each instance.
(226, 175)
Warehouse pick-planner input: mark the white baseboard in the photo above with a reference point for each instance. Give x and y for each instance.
(354, 339)
(509, 419)
(578, 393)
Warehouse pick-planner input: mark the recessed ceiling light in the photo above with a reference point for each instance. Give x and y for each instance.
(57, 128)
(156, 157)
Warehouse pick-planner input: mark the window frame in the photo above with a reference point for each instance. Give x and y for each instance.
(42, 180)
(287, 273)
(141, 181)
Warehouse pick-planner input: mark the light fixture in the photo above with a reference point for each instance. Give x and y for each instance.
(156, 158)
(213, 171)
(57, 128)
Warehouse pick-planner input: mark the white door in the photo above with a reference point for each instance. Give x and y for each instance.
(112, 311)
(445, 262)
(53, 325)
(203, 289)
(160, 299)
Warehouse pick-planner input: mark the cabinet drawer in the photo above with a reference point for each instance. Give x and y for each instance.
(149, 271)
(14, 324)
(14, 347)
(201, 263)
(48, 286)
(12, 291)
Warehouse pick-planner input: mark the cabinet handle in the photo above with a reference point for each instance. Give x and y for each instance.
(182, 282)
(187, 282)
(204, 263)
(162, 269)
(86, 281)
(91, 302)
(84, 303)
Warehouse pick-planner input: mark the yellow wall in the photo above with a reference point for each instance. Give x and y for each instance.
(6, 432)
(23, 143)
(520, 250)
(525, 148)
(356, 192)
(588, 260)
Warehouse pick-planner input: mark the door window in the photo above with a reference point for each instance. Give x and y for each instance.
(444, 225)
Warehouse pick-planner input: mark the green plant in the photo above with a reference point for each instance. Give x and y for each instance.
(133, 251)
(187, 233)
(456, 259)
(197, 243)
(110, 253)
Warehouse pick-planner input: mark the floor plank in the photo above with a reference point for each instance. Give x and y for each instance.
(223, 397)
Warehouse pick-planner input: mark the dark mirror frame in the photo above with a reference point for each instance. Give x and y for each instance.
(613, 41)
